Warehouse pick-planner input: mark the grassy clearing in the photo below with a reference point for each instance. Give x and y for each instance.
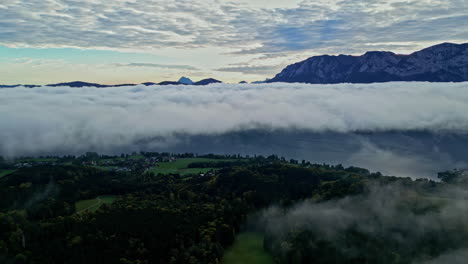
(93, 204)
(5, 172)
(248, 248)
(182, 172)
(180, 166)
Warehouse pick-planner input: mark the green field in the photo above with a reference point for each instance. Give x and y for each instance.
(5, 172)
(247, 249)
(180, 166)
(93, 204)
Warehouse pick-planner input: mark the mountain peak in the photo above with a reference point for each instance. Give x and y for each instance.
(185, 80)
(207, 81)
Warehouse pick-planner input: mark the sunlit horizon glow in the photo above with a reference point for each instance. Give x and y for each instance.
(112, 42)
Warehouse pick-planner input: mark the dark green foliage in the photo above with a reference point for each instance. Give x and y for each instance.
(391, 220)
(27, 188)
(448, 176)
(169, 218)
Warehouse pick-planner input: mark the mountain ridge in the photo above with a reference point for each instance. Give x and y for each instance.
(79, 84)
(446, 62)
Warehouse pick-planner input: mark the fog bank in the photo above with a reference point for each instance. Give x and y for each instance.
(341, 121)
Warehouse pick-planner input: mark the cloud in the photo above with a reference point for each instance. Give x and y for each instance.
(404, 160)
(61, 119)
(314, 26)
(452, 257)
(37, 62)
(246, 69)
(163, 66)
(405, 220)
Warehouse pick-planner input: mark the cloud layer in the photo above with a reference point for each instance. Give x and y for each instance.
(48, 119)
(244, 28)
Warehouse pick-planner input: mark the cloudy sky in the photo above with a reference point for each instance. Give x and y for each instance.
(131, 41)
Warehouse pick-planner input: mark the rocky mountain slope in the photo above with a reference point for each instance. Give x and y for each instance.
(445, 62)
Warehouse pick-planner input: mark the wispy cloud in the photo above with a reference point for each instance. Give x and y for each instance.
(37, 62)
(256, 70)
(163, 66)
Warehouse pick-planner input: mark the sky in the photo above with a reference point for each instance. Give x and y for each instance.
(134, 41)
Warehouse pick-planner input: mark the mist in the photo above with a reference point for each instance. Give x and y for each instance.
(405, 219)
(401, 126)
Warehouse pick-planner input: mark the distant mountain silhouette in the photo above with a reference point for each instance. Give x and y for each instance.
(185, 80)
(445, 62)
(78, 84)
(170, 83)
(17, 85)
(207, 81)
(149, 83)
(201, 82)
(119, 85)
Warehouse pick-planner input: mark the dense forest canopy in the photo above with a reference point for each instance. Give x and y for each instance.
(182, 208)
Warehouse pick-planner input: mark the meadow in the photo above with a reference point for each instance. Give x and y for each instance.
(5, 172)
(94, 204)
(247, 248)
(180, 166)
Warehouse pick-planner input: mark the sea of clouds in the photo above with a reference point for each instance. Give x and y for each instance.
(66, 120)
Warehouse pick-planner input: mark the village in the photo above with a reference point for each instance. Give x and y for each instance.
(113, 163)
(144, 162)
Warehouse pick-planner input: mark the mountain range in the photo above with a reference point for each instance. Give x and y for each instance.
(78, 84)
(445, 62)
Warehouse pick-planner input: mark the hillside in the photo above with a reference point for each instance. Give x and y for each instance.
(77, 210)
(445, 62)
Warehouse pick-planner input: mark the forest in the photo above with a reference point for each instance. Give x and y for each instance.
(167, 208)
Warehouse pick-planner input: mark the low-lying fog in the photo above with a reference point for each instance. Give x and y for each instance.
(404, 129)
